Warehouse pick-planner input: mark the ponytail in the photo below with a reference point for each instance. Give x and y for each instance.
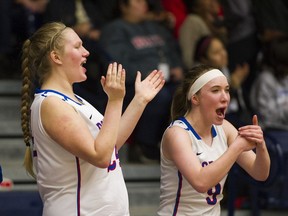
(26, 100)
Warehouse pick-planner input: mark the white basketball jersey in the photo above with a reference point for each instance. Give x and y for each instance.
(177, 196)
(67, 184)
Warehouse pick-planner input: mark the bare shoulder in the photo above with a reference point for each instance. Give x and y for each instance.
(54, 104)
(54, 110)
(175, 133)
(175, 139)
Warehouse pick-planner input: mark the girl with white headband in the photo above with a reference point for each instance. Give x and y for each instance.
(199, 147)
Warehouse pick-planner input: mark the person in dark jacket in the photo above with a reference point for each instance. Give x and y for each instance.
(145, 45)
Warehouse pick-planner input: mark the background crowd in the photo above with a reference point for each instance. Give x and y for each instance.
(246, 39)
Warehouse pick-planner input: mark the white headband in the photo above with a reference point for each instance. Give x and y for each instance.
(202, 80)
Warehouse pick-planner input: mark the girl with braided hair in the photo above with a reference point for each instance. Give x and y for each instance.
(73, 147)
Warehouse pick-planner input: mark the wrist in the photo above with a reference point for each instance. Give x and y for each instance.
(261, 146)
(237, 147)
(140, 101)
(115, 100)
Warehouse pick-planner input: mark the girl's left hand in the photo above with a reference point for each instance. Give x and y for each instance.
(150, 86)
(253, 132)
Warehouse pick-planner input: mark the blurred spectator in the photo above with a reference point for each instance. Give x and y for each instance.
(158, 13)
(178, 9)
(243, 44)
(203, 19)
(269, 94)
(271, 16)
(210, 50)
(144, 45)
(18, 19)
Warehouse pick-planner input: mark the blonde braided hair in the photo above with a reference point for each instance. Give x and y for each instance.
(35, 68)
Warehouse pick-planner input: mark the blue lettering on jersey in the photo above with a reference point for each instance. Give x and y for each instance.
(99, 124)
(113, 165)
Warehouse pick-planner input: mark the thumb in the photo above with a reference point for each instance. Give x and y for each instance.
(255, 120)
(138, 77)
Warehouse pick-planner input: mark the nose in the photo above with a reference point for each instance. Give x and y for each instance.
(86, 52)
(225, 96)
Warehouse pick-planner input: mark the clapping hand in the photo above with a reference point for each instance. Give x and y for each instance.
(253, 132)
(114, 82)
(150, 86)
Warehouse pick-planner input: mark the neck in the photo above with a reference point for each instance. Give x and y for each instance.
(199, 124)
(59, 84)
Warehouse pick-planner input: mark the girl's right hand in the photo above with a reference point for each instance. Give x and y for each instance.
(244, 144)
(114, 82)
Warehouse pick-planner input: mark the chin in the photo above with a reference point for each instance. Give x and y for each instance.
(82, 78)
(219, 121)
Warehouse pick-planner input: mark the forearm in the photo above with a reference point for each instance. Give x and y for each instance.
(261, 165)
(129, 119)
(106, 139)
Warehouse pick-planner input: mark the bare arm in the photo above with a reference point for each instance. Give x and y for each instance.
(145, 91)
(177, 147)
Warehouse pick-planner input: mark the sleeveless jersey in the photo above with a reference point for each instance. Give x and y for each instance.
(67, 184)
(177, 196)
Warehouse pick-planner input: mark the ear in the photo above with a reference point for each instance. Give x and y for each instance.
(195, 99)
(55, 57)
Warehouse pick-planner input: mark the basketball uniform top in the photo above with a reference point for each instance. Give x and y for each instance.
(67, 184)
(177, 196)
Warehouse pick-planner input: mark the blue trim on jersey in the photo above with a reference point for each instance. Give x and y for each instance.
(65, 97)
(213, 130)
(180, 180)
(78, 201)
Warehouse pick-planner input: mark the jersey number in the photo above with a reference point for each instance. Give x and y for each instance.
(113, 165)
(212, 193)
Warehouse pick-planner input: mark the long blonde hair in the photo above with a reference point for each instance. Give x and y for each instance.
(35, 68)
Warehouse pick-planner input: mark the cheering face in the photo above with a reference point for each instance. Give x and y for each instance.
(214, 98)
(74, 57)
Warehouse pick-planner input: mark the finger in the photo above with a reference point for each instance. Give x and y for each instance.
(151, 75)
(109, 71)
(159, 80)
(119, 73)
(156, 76)
(160, 86)
(123, 77)
(102, 81)
(114, 72)
(255, 120)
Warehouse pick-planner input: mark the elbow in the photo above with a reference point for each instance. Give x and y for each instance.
(201, 188)
(101, 162)
(263, 176)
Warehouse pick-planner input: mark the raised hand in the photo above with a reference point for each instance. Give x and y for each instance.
(253, 132)
(239, 75)
(150, 86)
(114, 82)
